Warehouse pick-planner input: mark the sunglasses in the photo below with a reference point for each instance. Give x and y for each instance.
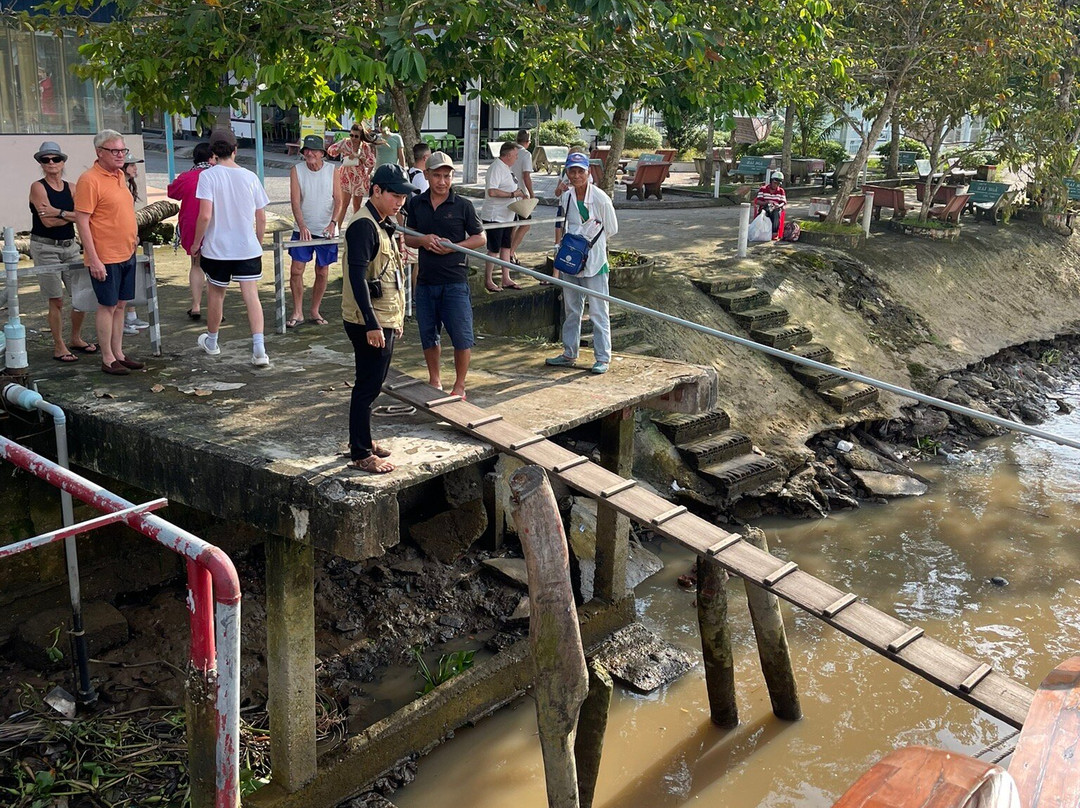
(355, 135)
(55, 159)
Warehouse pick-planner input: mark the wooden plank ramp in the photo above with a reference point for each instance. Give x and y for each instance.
(972, 681)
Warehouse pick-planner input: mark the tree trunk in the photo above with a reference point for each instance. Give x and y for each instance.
(932, 186)
(847, 184)
(892, 171)
(409, 111)
(710, 137)
(560, 676)
(620, 118)
(789, 134)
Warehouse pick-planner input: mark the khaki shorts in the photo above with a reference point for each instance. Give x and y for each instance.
(52, 283)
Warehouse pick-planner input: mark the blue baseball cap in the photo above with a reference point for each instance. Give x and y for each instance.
(577, 160)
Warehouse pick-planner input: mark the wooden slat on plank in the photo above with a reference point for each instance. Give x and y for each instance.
(905, 639)
(975, 677)
(783, 571)
(487, 419)
(558, 468)
(618, 488)
(438, 402)
(521, 444)
(723, 544)
(667, 515)
(839, 605)
(398, 386)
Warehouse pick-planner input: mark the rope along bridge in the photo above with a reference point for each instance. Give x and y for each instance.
(975, 682)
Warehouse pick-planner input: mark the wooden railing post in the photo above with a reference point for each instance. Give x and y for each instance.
(712, 610)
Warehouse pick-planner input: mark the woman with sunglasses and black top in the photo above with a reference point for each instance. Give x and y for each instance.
(357, 153)
(52, 241)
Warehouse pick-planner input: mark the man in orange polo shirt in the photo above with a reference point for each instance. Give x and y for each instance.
(106, 221)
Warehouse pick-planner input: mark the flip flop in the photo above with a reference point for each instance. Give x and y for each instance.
(492, 288)
(194, 315)
(88, 348)
(292, 322)
(66, 358)
(511, 285)
(318, 321)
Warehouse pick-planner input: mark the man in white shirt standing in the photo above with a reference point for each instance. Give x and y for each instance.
(522, 169)
(228, 237)
(502, 189)
(314, 191)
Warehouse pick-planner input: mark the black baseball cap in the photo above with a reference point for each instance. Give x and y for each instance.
(392, 177)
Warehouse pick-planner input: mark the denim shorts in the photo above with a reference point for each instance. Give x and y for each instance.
(324, 254)
(445, 305)
(119, 283)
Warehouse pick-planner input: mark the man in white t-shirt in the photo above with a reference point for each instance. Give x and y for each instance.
(314, 194)
(228, 237)
(523, 169)
(502, 189)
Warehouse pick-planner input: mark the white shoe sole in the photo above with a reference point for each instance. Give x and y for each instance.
(202, 344)
(260, 361)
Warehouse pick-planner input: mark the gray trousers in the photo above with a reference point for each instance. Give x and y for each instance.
(574, 305)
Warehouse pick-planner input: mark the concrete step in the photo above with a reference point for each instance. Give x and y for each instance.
(682, 428)
(761, 318)
(724, 282)
(743, 474)
(638, 349)
(783, 338)
(817, 380)
(851, 396)
(617, 317)
(742, 300)
(626, 335)
(716, 448)
(812, 350)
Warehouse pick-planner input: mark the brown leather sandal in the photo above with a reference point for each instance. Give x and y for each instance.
(372, 465)
(379, 451)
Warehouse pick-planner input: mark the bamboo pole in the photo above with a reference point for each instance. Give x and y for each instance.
(592, 724)
(712, 610)
(560, 678)
(772, 642)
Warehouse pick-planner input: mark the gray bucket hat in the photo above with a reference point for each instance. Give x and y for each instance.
(47, 148)
(314, 143)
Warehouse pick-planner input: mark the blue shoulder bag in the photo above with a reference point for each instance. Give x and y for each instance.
(573, 252)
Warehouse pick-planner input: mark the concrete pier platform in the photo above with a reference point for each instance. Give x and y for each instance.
(265, 446)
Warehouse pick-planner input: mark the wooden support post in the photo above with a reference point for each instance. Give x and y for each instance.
(772, 642)
(612, 527)
(592, 724)
(290, 652)
(561, 679)
(712, 611)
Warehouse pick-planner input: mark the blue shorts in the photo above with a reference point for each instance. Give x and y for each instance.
(119, 283)
(325, 254)
(445, 305)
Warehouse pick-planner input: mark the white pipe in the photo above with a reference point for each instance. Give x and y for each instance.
(867, 211)
(744, 228)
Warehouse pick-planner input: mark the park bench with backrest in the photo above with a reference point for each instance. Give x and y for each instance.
(852, 208)
(987, 199)
(951, 210)
(550, 158)
(834, 177)
(667, 154)
(887, 198)
(648, 178)
(942, 195)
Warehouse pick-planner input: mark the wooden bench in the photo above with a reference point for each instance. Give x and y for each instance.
(986, 199)
(647, 179)
(852, 208)
(292, 148)
(833, 177)
(942, 195)
(887, 198)
(951, 210)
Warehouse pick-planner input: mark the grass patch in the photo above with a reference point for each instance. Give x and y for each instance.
(928, 224)
(625, 258)
(832, 228)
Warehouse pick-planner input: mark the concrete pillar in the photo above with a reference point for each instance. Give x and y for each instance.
(772, 642)
(712, 610)
(290, 652)
(613, 528)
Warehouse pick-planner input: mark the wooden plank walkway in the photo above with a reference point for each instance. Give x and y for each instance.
(907, 645)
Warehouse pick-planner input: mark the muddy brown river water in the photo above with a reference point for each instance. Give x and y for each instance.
(1010, 509)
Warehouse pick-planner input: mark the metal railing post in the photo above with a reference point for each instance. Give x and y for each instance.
(279, 281)
(867, 211)
(14, 331)
(744, 228)
(153, 311)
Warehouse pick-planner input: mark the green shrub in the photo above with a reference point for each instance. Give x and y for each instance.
(559, 133)
(972, 159)
(906, 144)
(512, 135)
(830, 151)
(773, 144)
(642, 136)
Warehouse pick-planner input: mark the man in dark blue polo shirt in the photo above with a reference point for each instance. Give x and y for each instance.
(442, 286)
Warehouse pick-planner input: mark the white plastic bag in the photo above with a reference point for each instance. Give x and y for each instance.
(760, 228)
(82, 290)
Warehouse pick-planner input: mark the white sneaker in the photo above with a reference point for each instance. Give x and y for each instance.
(202, 344)
(260, 360)
(137, 323)
(130, 329)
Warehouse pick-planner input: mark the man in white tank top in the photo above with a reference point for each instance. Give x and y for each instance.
(314, 191)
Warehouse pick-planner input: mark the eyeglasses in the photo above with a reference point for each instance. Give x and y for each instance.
(355, 135)
(115, 152)
(54, 159)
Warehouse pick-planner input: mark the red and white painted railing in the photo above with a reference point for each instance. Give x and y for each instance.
(213, 600)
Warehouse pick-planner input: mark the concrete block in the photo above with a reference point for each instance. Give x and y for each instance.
(462, 486)
(447, 536)
(104, 625)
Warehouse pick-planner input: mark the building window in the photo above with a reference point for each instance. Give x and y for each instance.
(40, 93)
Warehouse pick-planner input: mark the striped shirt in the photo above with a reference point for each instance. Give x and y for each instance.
(766, 193)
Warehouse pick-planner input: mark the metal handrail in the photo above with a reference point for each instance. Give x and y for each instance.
(215, 628)
(766, 349)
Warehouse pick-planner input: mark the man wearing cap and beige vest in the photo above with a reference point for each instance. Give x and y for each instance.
(105, 216)
(314, 193)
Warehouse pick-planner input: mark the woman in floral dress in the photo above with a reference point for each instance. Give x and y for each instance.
(357, 155)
